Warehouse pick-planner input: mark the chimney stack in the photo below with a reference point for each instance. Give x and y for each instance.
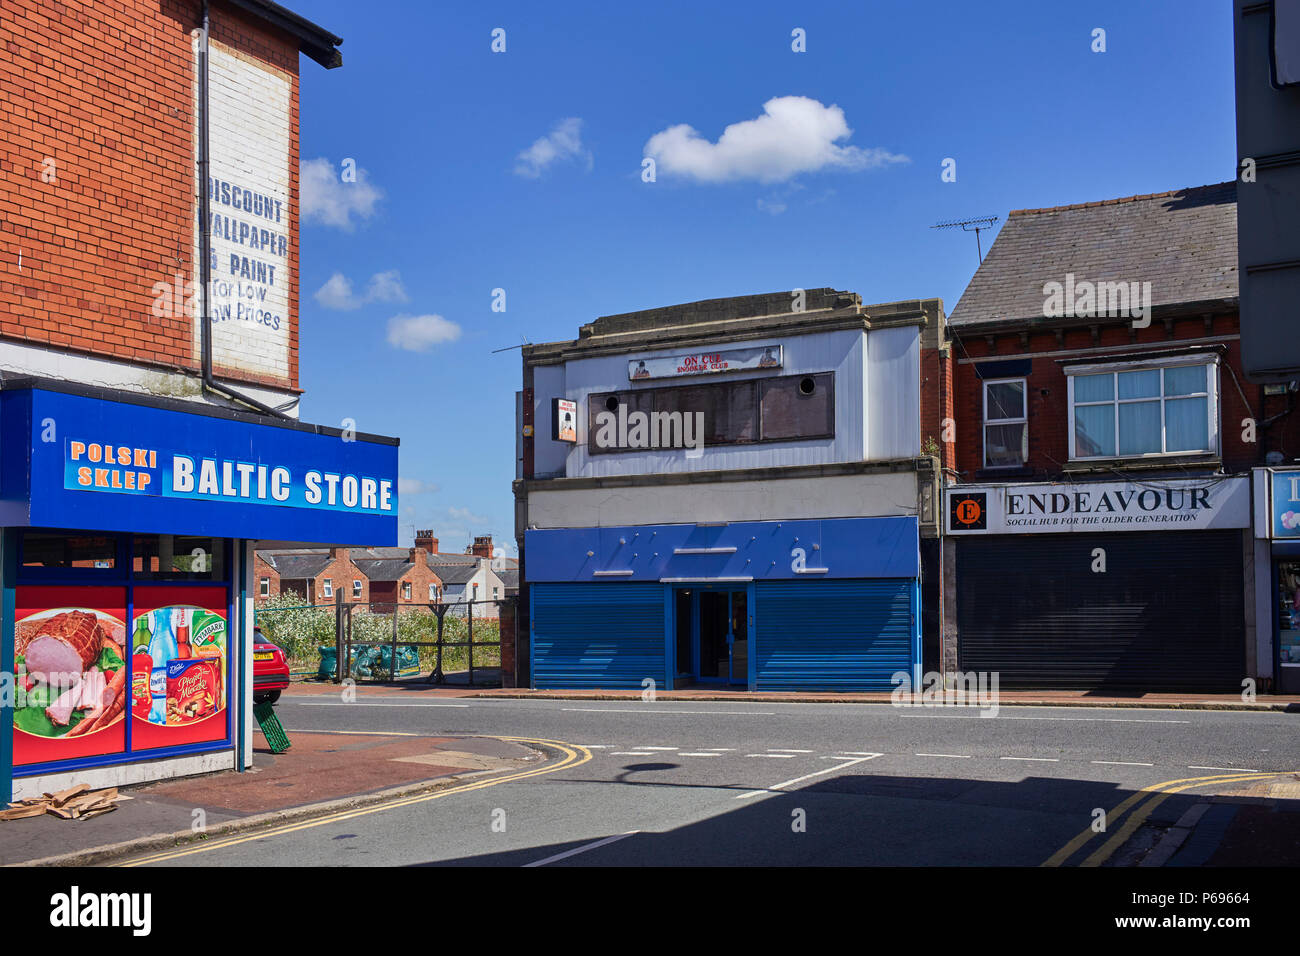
(482, 546)
(426, 540)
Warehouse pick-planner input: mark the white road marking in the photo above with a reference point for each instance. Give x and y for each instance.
(643, 747)
(1034, 759)
(366, 703)
(1103, 720)
(630, 753)
(857, 753)
(1231, 769)
(644, 710)
(954, 756)
(1121, 763)
(807, 776)
(788, 750)
(582, 849)
(699, 754)
(777, 756)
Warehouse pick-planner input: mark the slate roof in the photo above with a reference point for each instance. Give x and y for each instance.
(382, 569)
(510, 578)
(294, 566)
(455, 573)
(1183, 242)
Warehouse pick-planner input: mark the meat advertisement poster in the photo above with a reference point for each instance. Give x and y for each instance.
(178, 667)
(70, 663)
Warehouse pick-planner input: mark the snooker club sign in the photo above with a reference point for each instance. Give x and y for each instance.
(1177, 505)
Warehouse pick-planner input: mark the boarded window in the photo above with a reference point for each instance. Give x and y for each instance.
(788, 408)
(798, 406)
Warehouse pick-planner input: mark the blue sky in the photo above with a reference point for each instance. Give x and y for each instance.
(522, 171)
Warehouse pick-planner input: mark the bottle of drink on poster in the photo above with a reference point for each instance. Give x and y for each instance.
(183, 649)
(162, 648)
(140, 642)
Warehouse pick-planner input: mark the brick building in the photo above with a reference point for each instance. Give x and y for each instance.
(399, 575)
(148, 193)
(315, 574)
(1098, 509)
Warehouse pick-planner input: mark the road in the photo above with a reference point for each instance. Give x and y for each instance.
(745, 783)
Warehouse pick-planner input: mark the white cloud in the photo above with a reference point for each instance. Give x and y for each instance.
(794, 135)
(465, 515)
(336, 293)
(327, 199)
(415, 486)
(774, 206)
(419, 333)
(563, 142)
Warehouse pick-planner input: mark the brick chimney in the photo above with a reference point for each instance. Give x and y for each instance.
(336, 553)
(426, 540)
(482, 546)
(418, 555)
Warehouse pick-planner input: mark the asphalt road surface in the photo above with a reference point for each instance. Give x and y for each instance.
(720, 783)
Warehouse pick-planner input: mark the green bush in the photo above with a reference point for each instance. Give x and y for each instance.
(300, 631)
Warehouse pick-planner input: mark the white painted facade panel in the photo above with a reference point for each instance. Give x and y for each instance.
(249, 189)
(893, 393)
(838, 496)
(845, 352)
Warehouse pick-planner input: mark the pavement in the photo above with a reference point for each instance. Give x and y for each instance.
(1035, 698)
(321, 772)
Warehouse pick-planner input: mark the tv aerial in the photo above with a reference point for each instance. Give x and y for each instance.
(970, 225)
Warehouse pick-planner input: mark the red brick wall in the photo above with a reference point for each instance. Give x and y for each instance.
(263, 570)
(937, 404)
(420, 576)
(106, 90)
(1049, 446)
(341, 572)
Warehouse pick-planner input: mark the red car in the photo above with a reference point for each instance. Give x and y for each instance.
(270, 669)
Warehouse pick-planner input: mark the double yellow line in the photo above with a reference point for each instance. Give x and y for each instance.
(572, 756)
(1154, 795)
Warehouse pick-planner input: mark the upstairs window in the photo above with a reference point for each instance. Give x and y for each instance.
(265, 587)
(356, 588)
(1006, 423)
(406, 590)
(327, 587)
(1141, 411)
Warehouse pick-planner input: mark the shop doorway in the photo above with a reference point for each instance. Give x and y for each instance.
(712, 634)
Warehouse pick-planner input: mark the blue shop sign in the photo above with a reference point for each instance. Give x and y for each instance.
(830, 548)
(70, 460)
(1286, 504)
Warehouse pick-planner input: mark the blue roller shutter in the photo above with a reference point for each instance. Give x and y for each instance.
(833, 635)
(605, 634)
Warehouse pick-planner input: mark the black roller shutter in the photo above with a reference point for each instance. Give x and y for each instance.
(1167, 614)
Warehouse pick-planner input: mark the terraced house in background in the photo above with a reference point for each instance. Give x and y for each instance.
(1101, 529)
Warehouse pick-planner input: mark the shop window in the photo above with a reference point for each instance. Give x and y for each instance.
(406, 590)
(786, 408)
(1138, 411)
(327, 587)
(42, 549)
(264, 587)
(1288, 579)
(178, 557)
(356, 589)
(1006, 423)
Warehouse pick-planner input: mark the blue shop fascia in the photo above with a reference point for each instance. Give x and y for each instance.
(126, 600)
